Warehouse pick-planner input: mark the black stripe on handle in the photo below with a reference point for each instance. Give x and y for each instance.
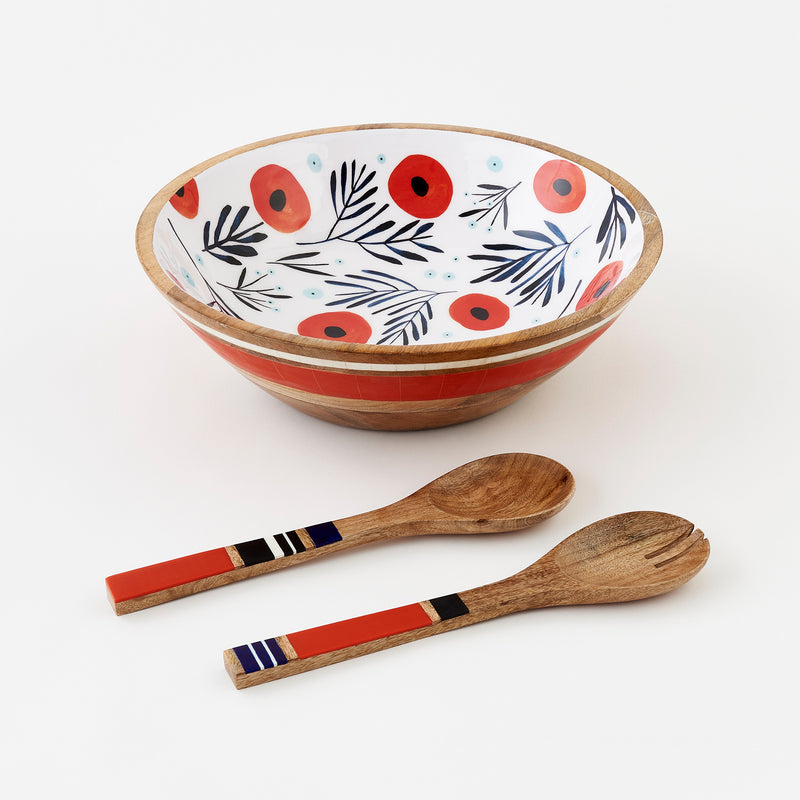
(449, 606)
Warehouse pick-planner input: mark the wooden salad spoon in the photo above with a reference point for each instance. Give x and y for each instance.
(497, 493)
(626, 557)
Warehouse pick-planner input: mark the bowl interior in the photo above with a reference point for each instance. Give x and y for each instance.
(396, 236)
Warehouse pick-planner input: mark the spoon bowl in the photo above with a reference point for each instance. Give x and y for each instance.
(497, 493)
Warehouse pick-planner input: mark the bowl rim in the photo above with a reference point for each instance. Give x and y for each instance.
(602, 310)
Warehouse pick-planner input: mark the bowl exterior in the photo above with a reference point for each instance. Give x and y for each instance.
(398, 395)
(395, 387)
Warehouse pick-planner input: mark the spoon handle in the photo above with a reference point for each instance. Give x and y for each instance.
(497, 493)
(159, 583)
(168, 580)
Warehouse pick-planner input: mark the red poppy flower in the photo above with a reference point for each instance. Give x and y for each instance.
(186, 200)
(279, 199)
(338, 326)
(480, 312)
(560, 186)
(601, 284)
(421, 186)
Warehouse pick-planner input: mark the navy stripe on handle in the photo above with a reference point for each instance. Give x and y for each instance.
(260, 655)
(324, 533)
(247, 658)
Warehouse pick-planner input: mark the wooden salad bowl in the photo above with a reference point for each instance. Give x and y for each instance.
(398, 276)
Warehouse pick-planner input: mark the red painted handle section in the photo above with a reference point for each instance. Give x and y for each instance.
(168, 574)
(350, 632)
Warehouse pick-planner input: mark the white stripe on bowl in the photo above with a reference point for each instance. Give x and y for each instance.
(427, 367)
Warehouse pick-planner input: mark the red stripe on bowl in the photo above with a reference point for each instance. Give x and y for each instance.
(399, 386)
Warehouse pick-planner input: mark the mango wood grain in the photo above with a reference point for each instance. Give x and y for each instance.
(622, 558)
(497, 493)
(403, 415)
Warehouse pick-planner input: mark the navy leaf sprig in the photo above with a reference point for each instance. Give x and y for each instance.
(351, 195)
(613, 230)
(497, 199)
(354, 196)
(411, 233)
(251, 294)
(235, 244)
(537, 271)
(291, 262)
(217, 301)
(408, 308)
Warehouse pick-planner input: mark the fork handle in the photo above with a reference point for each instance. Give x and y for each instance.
(168, 580)
(279, 657)
(270, 659)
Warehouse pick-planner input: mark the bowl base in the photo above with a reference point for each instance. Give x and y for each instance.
(398, 415)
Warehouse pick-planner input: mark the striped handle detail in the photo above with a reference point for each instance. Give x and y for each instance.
(168, 580)
(269, 659)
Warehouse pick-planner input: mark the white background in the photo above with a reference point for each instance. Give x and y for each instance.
(125, 441)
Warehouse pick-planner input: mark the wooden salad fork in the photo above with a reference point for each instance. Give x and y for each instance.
(626, 557)
(497, 493)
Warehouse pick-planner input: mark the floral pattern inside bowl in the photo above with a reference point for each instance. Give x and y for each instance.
(395, 236)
